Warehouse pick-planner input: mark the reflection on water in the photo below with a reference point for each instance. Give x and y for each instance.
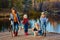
(4, 24)
(52, 26)
(54, 23)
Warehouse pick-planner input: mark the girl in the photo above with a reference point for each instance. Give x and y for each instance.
(15, 20)
(25, 22)
(36, 29)
(43, 21)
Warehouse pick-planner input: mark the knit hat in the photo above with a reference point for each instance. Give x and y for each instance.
(25, 16)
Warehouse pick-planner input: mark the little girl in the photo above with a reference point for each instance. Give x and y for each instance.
(25, 22)
(43, 21)
(36, 29)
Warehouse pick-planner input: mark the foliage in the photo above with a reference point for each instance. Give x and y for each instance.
(18, 4)
(0, 3)
(40, 1)
(28, 8)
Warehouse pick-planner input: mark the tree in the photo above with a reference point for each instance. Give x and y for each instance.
(27, 4)
(18, 4)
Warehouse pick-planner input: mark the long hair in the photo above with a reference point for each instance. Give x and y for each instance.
(14, 9)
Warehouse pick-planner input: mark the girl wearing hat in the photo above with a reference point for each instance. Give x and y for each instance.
(25, 22)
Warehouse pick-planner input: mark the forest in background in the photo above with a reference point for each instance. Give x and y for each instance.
(32, 8)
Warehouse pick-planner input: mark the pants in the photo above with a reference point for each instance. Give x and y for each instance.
(40, 32)
(12, 27)
(26, 28)
(15, 27)
(43, 27)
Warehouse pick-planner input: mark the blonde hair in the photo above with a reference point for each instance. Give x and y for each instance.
(43, 14)
(36, 25)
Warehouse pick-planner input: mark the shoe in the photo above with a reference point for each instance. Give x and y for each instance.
(26, 33)
(44, 34)
(16, 33)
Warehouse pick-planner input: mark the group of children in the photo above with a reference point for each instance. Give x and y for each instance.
(37, 29)
(40, 26)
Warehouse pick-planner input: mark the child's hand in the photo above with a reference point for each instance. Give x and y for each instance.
(20, 29)
(9, 18)
(18, 22)
(21, 21)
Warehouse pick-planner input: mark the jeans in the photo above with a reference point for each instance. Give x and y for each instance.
(15, 27)
(43, 27)
(26, 27)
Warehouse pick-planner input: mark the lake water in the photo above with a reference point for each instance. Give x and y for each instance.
(49, 28)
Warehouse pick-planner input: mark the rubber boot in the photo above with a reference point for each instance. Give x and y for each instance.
(26, 33)
(16, 33)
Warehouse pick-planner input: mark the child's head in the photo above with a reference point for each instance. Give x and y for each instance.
(13, 10)
(43, 14)
(36, 25)
(25, 16)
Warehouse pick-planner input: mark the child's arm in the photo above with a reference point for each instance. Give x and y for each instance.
(39, 28)
(46, 19)
(11, 18)
(32, 29)
(23, 21)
